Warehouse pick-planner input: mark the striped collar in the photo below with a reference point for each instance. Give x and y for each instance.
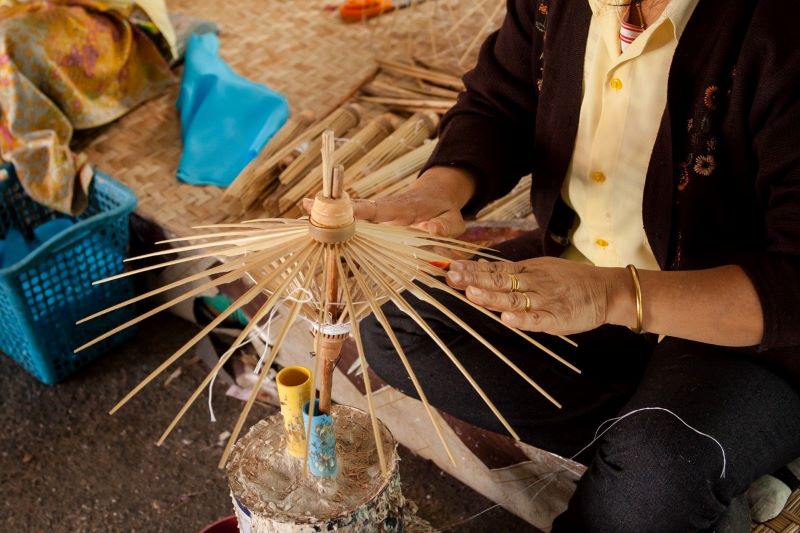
(677, 12)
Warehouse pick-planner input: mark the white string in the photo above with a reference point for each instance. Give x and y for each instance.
(307, 297)
(264, 335)
(597, 435)
(618, 419)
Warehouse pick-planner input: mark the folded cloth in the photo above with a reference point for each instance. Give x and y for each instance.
(225, 118)
(64, 66)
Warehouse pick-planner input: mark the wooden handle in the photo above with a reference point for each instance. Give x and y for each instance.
(330, 349)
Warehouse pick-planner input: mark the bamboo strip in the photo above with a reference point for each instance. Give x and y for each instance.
(443, 68)
(427, 89)
(266, 257)
(397, 188)
(214, 282)
(237, 249)
(474, 9)
(225, 267)
(327, 161)
(399, 349)
(479, 36)
(379, 272)
(382, 88)
(411, 134)
(257, 169)
(438, 78)
(421, 103)
(262, 312)
(156, 266)
(356, 147)
(348, 300)
(270, 359)
(390, 173)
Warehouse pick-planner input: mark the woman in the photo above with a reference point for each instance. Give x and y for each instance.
(661, 135)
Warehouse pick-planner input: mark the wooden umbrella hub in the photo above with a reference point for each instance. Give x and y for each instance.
(332, 219)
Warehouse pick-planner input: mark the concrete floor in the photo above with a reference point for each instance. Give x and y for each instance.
(65, 465)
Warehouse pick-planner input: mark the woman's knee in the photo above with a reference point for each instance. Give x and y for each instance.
(649, 476)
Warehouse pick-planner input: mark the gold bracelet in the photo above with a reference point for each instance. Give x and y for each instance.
(637, 288)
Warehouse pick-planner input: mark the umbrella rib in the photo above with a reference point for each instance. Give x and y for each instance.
(404, 306)
(174, 357)
(422, 295)
(348, 300)
(260, 314)
(436, 284)
(225, 267)
(266, 233)
(399, 349)
(273, 352)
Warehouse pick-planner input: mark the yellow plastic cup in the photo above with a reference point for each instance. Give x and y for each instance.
(294, 389)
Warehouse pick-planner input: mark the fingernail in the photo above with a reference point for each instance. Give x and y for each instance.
(454, 276)
(456, 265)
(475, 291)
(509, 317)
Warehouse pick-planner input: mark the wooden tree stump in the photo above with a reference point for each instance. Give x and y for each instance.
(272, 493)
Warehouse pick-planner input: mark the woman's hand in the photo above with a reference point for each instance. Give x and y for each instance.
(563, 297)
(433, 203)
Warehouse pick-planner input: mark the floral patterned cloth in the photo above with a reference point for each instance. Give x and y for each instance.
(67, 64)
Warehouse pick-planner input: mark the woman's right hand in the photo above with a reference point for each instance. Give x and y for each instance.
(433, 203)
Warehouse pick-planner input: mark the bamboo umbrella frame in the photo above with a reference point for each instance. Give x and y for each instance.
(348, 269)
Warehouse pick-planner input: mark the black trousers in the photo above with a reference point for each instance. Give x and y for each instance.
(649, 472)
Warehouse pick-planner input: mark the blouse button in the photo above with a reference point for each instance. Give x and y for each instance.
(616, 84)
(598, 177)
(602, 243)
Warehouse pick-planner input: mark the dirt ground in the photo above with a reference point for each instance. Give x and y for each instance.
(65, 465)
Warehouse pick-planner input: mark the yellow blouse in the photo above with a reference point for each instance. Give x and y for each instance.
(624, 98)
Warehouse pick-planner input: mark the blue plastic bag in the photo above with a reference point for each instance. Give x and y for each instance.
(225, 119)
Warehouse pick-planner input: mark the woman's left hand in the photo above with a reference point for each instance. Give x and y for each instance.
(561, 296)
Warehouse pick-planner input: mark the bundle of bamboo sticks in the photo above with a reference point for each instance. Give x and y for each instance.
(394, 146)
(411, 134)
(295, 187)
(295, 148)
(289, 167)
(413, 88)
(390, 175)
(515, 204)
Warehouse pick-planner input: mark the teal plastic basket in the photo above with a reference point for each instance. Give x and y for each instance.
(43, 295)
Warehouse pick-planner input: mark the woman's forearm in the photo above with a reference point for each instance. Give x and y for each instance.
(716, 306)
(447, 182)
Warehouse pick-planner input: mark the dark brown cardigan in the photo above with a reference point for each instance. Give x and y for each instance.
(723, 185)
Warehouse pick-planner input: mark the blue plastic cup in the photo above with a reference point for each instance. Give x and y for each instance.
(321, 444)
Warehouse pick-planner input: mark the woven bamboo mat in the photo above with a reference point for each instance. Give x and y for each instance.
(298, 48)
(786, 522)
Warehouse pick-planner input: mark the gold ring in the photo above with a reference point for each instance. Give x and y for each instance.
(514, 283)
(527, 302)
